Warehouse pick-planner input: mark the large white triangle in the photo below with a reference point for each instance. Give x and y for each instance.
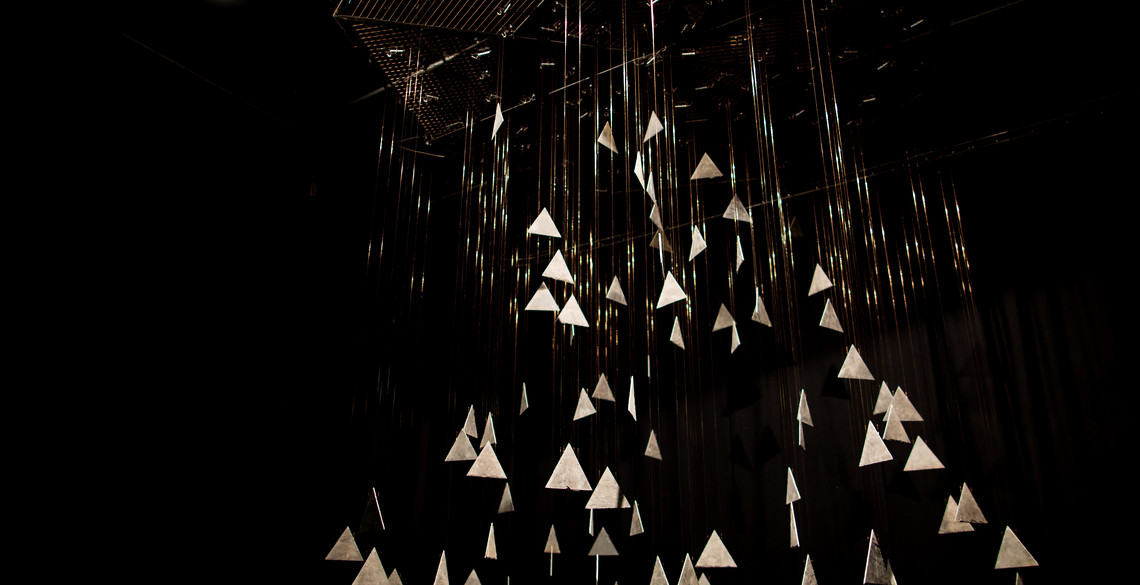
(542, 300)
(736, 211)
(607, 493)
(488, 433)
(606, 138)
(706, 169)
(819, 281)
(688, 573)
(491, 552)
(968, 509)
(441, 571)
(884, 400)
(498, 120)
(1013, 554)
(670, 292)
(615, 293)
(874, 449)
(653, 128)
(893, 429)
(792, 494)
(469, 425)
(921, 457)
(572, 314)
(461, 450)
(635, 525)
(803, 414)
(652, 449)
(676, 336)
(568, 475)
(372, 573)
(903, 408)
(472, 579)
(949, 524)
(543, 225)
(487, 465)
(724, 319)
(394, 578)
(602, 390)
(875, 571)
(585, 407)
(557, 269)
(853, 366)
(345, 548)
(658, 577)
(715, 554)
(603, 546)
(830, 320)
(552, 542)
(809, 573)
(698, 245)
(760, 313)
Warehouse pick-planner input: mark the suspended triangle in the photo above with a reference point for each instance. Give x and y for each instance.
(921, 457)
(498, 120)
(676, 336)
(552, 543)
(830, 320)
(739, 254)
(606, 138)
(635, 526)
(461, 449)
(660, 242)
(658, 577)
(809, 573)
(632, 406)
(488, 433)
(876, 570)
(472, 579)
(345, 548)
(800, 442)
(615, 293)
(590, 530)
(572, 314)
(557, 269)
(803, 414)
(968, 510)
(736, 211)
(507, 504)
(793, 492)
(760, 314)
(651, 449)
(469, 425)
(602, 390)
(638, 171)
(688, 573)
(394, 578)
(893, 430)
(884, 400)
(654, 127)
(544, 226)
(949, 524)
(819, 281)
(542, 300)
(441, 571)
(568, 474)
(903, 407)
(715, 555)
(651, 191)
(491, 552)
(523, 404)
(655, 216)
(853, 367)
(724, 319)
(607, 494)
(372, 573)
(706, 169)
(603, 546)
(704, 580)
(698, 245)
(1013, 554)
(874, 449)
(487, 465)
(735, 339)
(670, 292)
(793, 532)
(585, 407)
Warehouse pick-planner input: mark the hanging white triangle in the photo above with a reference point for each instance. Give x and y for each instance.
(607, 493)
(590, 530)
(819, 281)
(884, 400)
(893, 430)
(507, 503)
(904, 409)
(803, 414)
(372, 573)
(572, 314)
(487, 465)
(724, 319)
(602, 390)
(793, 532)
(968, 510)
(658, 577)
(792, 494)
(394, 578)
(660, 242)
(670, 292)
(809, 573)
(606, 138)
(874, 449)
(568, 474)
(345, 548)
(603, 546)
(800, 435)
(739, 254)
(853, 366)
(715, 554)
(632, 405)
(523, 404)
(638, 171)
(585, 407)
(491, 552)
(949, 524)
(635, 525)
(552, 543)
(655, 217)
(472, 579)
(488, 433)
(615, 293)
(544, 225)
(542, 300)
(652, 449)
(704, 580)
(651, 191)
(698, 245)
(921, 457)
(760, 314)
(688, 573)
(676, 337)
(498, 120)
(830, 320)
(735, 339)
(1013, 554)
(705, 169)
(736, 211)
(876, 570)
(441, 571)
(557, 269)
(653, 128)
(469, 426)
(461, 449)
